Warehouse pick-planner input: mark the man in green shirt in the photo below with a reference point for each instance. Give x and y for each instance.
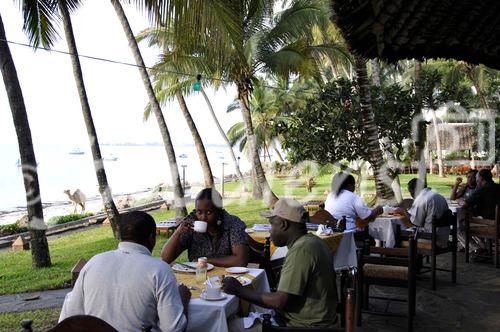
(307, 293)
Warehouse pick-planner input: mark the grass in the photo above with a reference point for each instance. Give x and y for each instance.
(43, 319)
(17, 275)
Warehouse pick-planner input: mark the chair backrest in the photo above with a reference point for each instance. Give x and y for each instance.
(489, 222)
(349, 319)
(323, 217)
(83, 323)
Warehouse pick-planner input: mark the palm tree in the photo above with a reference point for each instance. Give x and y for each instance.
(34, 13)
(238, 39)
(228, 143)
(155, 107)
(376, 160)
(65, 6)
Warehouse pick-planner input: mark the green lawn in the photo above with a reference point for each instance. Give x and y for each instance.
(16, 274)
(43, 319)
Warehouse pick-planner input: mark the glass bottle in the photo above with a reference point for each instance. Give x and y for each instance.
(201, 270)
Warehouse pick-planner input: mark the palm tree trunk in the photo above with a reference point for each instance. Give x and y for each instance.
(375, 72)
(223, 134)
(107, 198)
(40, 256)
(261, 188)
(421, 130)
(469, 69)
(278, 153)
(438, 145)
(376, 160)
(202, 154)
(180, 205)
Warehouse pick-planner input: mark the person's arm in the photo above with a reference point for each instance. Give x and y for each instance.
(276, 300)
(456, 190)
(239, 257)
(172, 303)
(364, 212)
(173, 247)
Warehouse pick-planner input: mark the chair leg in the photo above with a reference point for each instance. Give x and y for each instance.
(366, 295)
(359, 302)
(454, 265)
(433, 271)
(496, 254)
(467, 247)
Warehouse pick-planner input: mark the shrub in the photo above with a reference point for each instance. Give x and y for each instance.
(10, 229)
(57, 220)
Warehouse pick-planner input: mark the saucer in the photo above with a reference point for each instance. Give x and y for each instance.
(203, 296)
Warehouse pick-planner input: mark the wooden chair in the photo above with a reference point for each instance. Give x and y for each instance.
(484, 228)
(349, 318)
(323, 217)
(260, 254)
(394, 267)
(432, 249)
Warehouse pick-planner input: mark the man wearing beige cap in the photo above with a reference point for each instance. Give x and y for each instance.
(306, 294)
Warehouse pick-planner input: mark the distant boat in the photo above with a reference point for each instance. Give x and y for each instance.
(110, 157)
(183, 155)
(18, 163)
(76, 151)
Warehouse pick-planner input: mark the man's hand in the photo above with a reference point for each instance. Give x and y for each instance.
(402, 211)
(378, 210)
(458, 181)
(231, 286)
(185, 293)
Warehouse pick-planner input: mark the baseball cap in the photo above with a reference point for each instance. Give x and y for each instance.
(286, 208)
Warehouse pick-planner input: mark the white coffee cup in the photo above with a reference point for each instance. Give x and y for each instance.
(213, 292)
(200, 226)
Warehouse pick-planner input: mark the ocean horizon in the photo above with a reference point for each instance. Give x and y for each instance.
(137, 167)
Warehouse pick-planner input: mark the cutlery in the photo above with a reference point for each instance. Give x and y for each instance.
(186, 266)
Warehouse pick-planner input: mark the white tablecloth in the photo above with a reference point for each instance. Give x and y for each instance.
(211, 316)
(384, 228)
(343, 258)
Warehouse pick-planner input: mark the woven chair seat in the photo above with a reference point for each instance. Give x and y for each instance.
(486, 231)
(385, 271)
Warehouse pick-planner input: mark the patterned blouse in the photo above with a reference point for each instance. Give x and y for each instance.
(206, 245)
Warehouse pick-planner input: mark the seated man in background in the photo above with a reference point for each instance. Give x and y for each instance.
(482, 202)
(127, 287)
(307, 292)
(427, 206)
(465, 191)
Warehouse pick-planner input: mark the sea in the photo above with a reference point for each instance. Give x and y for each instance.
(135, 168)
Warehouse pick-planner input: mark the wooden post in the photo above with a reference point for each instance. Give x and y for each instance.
(75, 271)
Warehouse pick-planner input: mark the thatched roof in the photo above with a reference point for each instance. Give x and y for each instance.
(452, 136)
(392, 30)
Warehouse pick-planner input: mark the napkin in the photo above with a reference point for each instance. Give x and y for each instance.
(324, 230)
(252, 316)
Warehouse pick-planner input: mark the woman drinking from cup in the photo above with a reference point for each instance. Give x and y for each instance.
(209, 231)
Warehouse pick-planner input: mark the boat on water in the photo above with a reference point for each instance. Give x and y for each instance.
(76, 151)
(18, 163)
(183, 155)
(110, 157)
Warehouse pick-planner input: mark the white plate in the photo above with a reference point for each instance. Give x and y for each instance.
(244, 281)
(237, 269)
(179, 268)
(249, 230)
(203, 296)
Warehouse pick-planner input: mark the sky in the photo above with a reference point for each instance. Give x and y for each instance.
(116, 94)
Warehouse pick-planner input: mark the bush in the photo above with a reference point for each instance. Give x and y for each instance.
(10, 229)
(57, 220)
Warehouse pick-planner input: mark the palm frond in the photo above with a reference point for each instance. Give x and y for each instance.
(39, 21)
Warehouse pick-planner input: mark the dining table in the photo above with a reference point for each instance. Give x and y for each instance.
(384, 227)
(341, 245)
(210, 315)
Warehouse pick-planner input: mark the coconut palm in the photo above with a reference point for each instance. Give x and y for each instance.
(376, 158)
(65, 7)
(37, 24)
(155, 107)
(245, 38)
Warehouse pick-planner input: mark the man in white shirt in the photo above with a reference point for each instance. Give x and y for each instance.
(127, 287)
(427, 206)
